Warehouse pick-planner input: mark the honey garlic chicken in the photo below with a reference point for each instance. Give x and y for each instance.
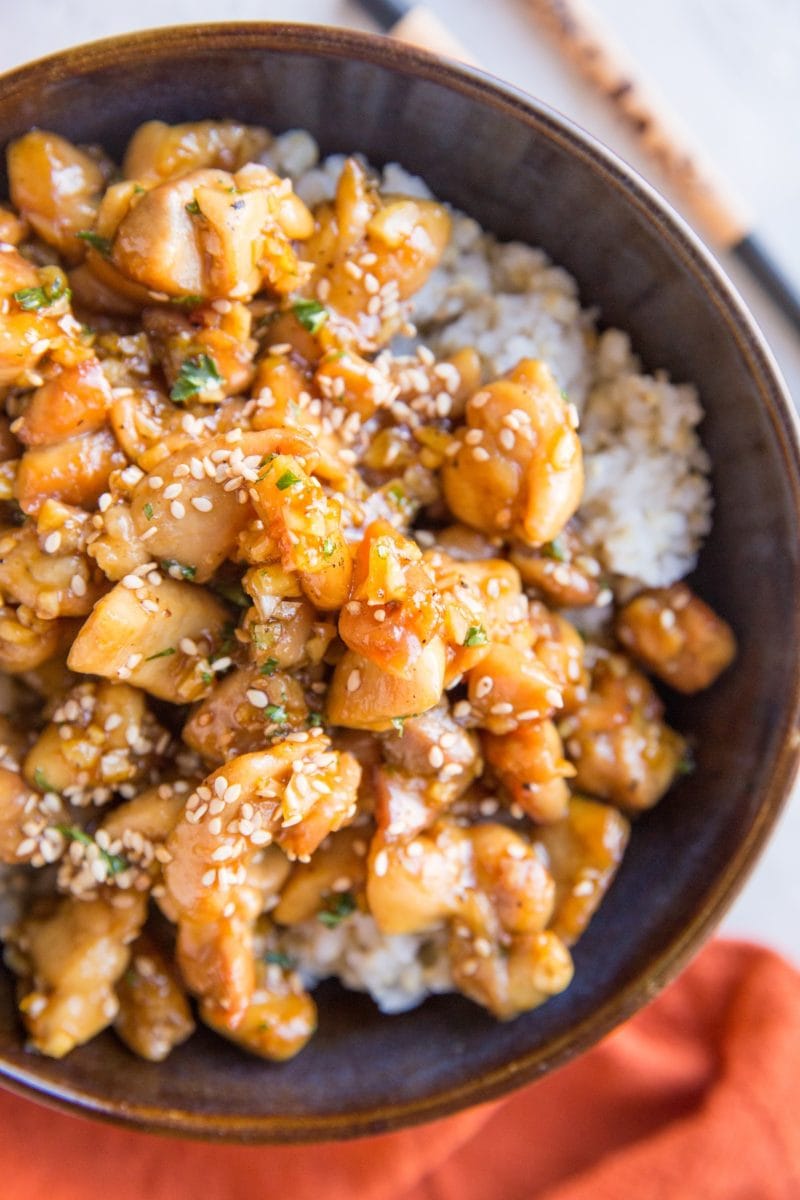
(317, 666)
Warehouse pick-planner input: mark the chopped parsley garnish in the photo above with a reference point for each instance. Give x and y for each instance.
(100, 244)
(161, 654)
(275, 713)
(114, 862)
(171, 565)
(276, 958)
(476, 636)
(311, 314)
(148, 511)
(41, 782)
(554, 549)
(193, 208)
(328, 547)
(286, 480)
(197, 374)
(269, 667)
(206, 677)
(33, 298)
(336, 909)
(315, 719)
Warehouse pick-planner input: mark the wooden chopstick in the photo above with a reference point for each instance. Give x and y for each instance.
(709, 203)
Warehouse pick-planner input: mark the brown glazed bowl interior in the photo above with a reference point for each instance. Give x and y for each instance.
(526, 173)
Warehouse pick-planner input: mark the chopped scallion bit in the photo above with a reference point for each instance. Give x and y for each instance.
(311, 314)
(100, 244)
(161, 654)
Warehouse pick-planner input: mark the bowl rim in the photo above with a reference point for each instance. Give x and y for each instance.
(697, 260)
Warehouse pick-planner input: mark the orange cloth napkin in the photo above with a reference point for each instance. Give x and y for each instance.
(696, 1098)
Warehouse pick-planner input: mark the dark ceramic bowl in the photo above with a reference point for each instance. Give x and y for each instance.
(523, 172)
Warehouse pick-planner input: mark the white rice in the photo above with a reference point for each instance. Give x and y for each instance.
(398, 971)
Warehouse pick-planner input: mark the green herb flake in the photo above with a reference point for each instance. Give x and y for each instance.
(275, 713)
(100, 244)
(148, 511)
(206, 677)
(186, 301)
(41, 782)
(554, 549)
(115, 862)
(171, 565)
(336, 909)
(276, 958)
(396, 493)
(161, 654)
(311, 314)
(193, 209)
(328, 547)
(33, 298)
(315, 719)
(398, 723)
(197, 374)
(269, 667)
(687, 765)
(234, 593)
(138, 190)
(286, 480)
(476, 636)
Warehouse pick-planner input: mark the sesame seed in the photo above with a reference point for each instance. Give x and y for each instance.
(381, 863)
(104, 501)
(484, 686)
(202, 503)
(502, 709)
(667, 618)
(480, 455)
(78, 585)
(554, 697)
(173, 490)
(354, 681)
(257, 699)
(187, 646)
(436, 757)
(506, 439)
(52, 542)
(132, 582)
(209, 878)
(177, 509)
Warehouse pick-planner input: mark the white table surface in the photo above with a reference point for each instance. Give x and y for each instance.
(728, 69)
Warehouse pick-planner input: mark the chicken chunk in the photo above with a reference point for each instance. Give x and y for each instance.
(158, 152)
(677, 636)
(56, 187)
(71, 958)
(209, 234)
(530, 764)
(517, 467)
(154, 1014)
(584, 851)
(371, 252)
(160, 637)
(244, 712)
(100, 737)
(621, 749)
(49, 583)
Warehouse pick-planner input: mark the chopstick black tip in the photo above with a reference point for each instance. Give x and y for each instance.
(775, 283)
(385, 13)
